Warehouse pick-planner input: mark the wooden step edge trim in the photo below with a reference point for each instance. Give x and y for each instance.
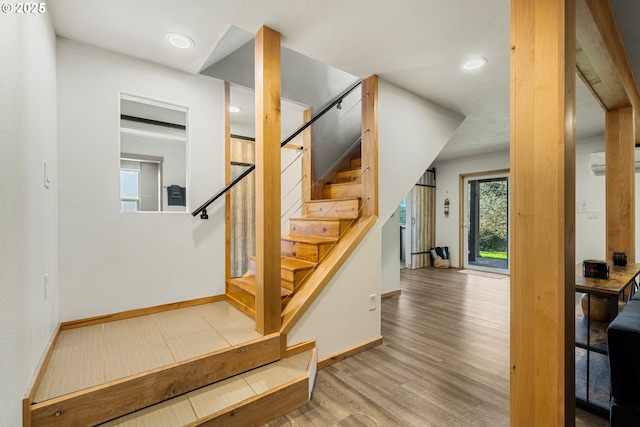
(350, 170)
(32, 389)
(330, 360)
(319, 218)
(303, 298)
(305, 264)
(139, 312)
(342, 184)
(111, 400)
(340, 199)
(310, 240)
(299, 348)
(260, 409)
(284, 292)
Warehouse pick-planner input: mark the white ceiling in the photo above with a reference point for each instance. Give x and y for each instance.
(418, 45)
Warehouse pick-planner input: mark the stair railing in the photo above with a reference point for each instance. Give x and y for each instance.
(340, 113)
(317, 142)
(202, 210)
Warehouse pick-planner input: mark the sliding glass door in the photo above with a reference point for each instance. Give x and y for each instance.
(486, 223)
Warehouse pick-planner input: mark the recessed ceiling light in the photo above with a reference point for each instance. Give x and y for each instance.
(234, 109)
(179, 40)
(474, 64)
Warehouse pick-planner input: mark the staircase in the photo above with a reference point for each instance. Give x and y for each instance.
(309, 238)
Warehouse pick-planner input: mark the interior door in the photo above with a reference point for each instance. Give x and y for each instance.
(422, 221)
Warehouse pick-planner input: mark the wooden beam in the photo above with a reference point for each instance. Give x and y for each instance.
(369, 146)
(620, 182)
(227, 180)
(605, 20)
(594, 62)
(602, 60)
(542, 212)
(267, 75)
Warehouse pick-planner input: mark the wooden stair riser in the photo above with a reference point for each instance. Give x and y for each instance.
(356, 163)
(342, 191)
(351, 175)
(289, 278)
(305, 251)
(244, 298)
(241, 298)
(260, 410)
(345, 209)
(321, 227)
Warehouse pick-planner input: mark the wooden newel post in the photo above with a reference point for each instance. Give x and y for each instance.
(267, 74)
(542, 212)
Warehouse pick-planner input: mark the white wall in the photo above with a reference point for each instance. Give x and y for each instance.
(412, 132)
(112, 261)
(28, 218)
(447, 187)
(590, 233)
(391, 254)
(339, 319)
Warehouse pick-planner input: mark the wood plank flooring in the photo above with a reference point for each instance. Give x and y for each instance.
(93, 355)
(444, 361)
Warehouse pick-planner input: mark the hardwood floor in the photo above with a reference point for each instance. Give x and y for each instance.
(444, 361)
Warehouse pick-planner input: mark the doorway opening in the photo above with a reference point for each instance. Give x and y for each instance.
(486, 222)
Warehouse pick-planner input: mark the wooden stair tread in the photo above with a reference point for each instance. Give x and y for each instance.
(313, 240)
(219, 343)
(292, 264)
(289, 379)
(318, 218)
(342, 184)
(295, 264)
(248, 285)
(351, 169)
(339, 199)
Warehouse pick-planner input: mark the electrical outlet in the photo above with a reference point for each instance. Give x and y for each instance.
(46, 286)
(592, 215)
(372, 302)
